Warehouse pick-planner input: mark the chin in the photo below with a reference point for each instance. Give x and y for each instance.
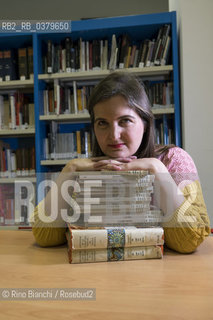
(119, 154)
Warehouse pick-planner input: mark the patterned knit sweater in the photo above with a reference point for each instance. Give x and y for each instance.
(186, 228)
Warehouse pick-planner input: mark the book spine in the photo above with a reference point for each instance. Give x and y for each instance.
(115, 237)
(115, 254)
(22, 63)
(75, 97)
(68, 54)
(12, 112)
(9, 65)
(56, 96)
(1, 112)
(49, 56)
(30, 62)
(1, 65)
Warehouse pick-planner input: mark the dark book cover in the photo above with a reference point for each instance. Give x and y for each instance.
(10, 65)
(1, 65)
(32, 158)
(72, 57)
(125, 42)
(18, 160)
(77, 56)
(22, 64)
(96, 58)
(49, 56)
(68, 44)
(30, 62)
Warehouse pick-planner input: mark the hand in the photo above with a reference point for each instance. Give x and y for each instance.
(79, 165)
(90, 164)
(106, 163)
(151, 164)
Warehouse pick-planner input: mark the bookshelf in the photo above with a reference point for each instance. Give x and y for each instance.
(17, 135)
(146, 71)
(139, 28)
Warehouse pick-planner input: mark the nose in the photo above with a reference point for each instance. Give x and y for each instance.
(114, 131)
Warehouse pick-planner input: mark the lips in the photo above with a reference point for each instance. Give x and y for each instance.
(116, 146)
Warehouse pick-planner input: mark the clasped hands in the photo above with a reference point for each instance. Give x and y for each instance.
(115, 164)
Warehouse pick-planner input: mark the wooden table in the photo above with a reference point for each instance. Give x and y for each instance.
(176, 287)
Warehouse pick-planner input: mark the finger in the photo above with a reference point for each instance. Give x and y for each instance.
(99, 158)
(111, 167)
(105, 162)
(124, 160)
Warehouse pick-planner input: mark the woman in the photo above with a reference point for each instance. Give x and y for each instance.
(122, 122)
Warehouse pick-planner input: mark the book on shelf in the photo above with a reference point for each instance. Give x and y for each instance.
(10, 65)
(164, 130)
(22, 64)
(12, 212)
(162, 37)
(64, 99)
(30, 62)
(16, 112)
(6, 205)
(16, 64)
(67, 145)
(1, 65)
(160, 94)
(120, 51)
(16, 163)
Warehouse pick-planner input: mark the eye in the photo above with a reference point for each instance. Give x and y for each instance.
(126, 121)
(102, 123)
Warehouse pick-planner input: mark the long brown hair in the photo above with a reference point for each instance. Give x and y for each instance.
(132, 89)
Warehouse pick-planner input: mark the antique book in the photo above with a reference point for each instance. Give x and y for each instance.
(114, 254)
(114, 237)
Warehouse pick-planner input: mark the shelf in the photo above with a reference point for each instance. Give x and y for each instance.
(55, 162)
(17, 132)
(16, 227)
(66, 117)
(16, 84)
(146, 71)
(8, 227)
(163, 110)
(86, 117)
(12, 180)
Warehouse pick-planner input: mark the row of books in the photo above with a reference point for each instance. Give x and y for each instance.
(16, 112)
(12, 213)
(73, 99)
(164, 130)
(60, 99)
(121, 52)
(121, 225)
(75, 144)
(16, 64)
(16, 163)
(160, 93)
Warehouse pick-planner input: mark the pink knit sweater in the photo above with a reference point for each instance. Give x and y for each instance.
(180, 165)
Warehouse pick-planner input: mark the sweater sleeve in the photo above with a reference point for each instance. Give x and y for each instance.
(47, 232)
(188, 226)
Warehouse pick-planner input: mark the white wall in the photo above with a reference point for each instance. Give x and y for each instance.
(196, 67)
(77, 9)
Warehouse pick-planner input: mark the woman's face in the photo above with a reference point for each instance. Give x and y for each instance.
(119, 129)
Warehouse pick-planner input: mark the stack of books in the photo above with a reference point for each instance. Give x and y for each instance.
(112, 218)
